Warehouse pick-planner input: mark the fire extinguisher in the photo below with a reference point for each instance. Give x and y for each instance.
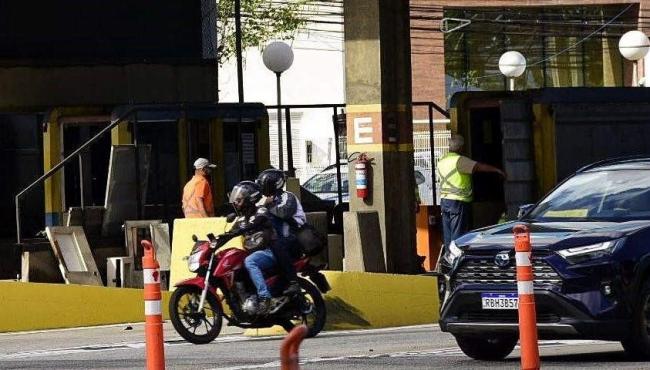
(361, 170)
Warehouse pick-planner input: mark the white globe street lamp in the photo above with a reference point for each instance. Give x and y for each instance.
(512, 64)
(278, 57)
(634, 45)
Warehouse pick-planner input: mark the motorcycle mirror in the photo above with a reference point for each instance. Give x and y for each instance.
(211, 237)
(194, 238)
(231, 217)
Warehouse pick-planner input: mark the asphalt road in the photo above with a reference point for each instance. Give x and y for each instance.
(417, 347)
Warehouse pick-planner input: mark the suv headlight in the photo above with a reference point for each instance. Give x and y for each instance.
(588, 252)
(194, 261)
(453, 253)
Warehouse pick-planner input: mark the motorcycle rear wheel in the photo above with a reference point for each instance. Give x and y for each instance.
(183, 312)
(314, 320)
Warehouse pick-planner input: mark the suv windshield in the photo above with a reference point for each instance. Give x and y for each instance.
(613, 195)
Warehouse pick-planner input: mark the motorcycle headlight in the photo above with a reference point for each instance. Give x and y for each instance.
(588, 252)
(452, 254)
(194, 262)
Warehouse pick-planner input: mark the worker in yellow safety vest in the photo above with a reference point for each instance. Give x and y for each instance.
(455, 176)
(197, 194)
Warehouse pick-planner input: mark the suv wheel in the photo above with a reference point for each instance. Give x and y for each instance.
(486, 348)
(637, 344)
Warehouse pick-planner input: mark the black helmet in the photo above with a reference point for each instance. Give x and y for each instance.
(270, 181)
(245, 194)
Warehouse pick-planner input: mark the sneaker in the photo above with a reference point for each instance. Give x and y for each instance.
(292, 289)
(263, 306)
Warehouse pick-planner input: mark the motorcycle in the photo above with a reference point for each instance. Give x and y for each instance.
(197, 310)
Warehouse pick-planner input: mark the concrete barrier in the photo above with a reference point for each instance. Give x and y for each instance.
(360, 300)
(34, 306)
(357, 299)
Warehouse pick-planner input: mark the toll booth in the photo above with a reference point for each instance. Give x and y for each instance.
(542, 136)
(101, 187)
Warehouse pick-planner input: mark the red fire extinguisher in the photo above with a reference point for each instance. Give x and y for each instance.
(361, 170)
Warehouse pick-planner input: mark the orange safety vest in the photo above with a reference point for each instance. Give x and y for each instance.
(195, 191)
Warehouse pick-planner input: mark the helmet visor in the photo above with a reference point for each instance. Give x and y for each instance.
(238, 195)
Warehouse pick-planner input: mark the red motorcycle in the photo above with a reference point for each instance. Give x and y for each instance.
(196, 310)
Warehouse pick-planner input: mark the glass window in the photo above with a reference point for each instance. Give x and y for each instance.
(613, 195)
(559, 44)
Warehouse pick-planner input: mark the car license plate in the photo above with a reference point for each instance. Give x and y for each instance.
(499, 301)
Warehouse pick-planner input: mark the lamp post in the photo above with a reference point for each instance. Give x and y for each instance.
(512, 64)
(278, 57)
(634, 45)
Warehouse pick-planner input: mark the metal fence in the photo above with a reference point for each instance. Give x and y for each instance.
(422, 157)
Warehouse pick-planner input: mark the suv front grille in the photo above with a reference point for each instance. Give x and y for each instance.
(484, 271)
(507, 316)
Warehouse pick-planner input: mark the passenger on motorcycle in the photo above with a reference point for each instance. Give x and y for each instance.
(287, 216)
(254, 223)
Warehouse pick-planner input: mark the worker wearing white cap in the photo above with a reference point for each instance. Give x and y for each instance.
(197, 194)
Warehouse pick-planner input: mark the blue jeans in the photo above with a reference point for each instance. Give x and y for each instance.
(255, 263)
(455, 219)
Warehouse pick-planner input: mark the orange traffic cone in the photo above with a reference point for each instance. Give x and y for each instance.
(527, 315)
(152, 309)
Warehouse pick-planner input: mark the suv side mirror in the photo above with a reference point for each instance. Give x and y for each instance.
(523, 210)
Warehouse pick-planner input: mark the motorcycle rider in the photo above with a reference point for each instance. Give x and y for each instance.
(287, 216)
(254, 223)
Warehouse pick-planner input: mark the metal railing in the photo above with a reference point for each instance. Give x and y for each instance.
(431, 106)
(121, 117)
(287, 121)
(66, 160)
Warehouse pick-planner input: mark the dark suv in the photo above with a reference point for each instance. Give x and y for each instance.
(591, 260)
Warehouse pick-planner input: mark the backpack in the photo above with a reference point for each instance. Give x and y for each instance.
(310, 240)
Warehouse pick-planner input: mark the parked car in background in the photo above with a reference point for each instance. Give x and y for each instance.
(325, 185)
(591, 263)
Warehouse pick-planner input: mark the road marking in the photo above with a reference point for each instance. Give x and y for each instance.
(109, 347)
(452, 351)
(177, 342)
(441, 352)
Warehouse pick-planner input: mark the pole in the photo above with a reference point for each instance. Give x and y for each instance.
(433, 156)
(337, 157)
(287, 120)
(154, 341)
(635, 73)
(280, 149)
(81, 181)
(511, 83)
(18, 238)
(238, 51)
(138, 192)
(525, 288)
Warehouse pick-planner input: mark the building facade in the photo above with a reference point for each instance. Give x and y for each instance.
(566, 44)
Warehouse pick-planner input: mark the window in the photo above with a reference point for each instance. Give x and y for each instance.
(605, 195)
(548, 37)
(309, 149)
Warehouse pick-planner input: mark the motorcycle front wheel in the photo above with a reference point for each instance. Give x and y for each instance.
(195, 327)
(315, 317)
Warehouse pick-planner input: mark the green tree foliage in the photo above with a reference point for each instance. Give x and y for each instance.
(262, 20)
